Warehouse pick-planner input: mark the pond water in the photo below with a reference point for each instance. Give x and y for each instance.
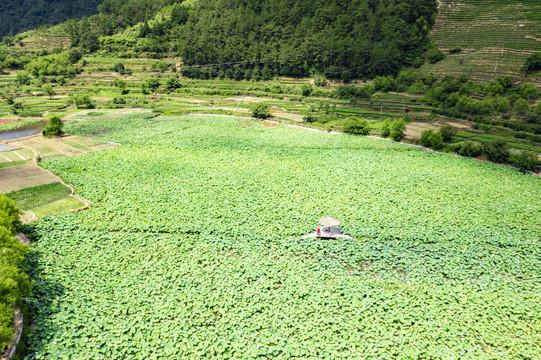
(4, 147)
(23, 131)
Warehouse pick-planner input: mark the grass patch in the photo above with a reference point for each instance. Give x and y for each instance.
(15, 165)
(40, 195)
(58, 207)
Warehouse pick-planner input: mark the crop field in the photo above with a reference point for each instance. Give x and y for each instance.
(194, 248)
(495, 38)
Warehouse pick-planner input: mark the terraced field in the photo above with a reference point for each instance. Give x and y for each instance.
(194, 249)
(495, 36)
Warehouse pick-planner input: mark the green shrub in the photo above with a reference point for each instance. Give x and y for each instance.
(386, 128)
(521, 107)
(533, 62)
(172, 84)
(398, 129)
(496, 150)
(14, 282)
(121, 84)
(431, 139)
(525, 161)
(469, 148)
(53, 128)
(153, 84)
(309, 118)
(48, 90)
(435, 55)
(23, 78)
(9, 214)
(447, 132)
(356, 126)
(351, 92)
(320, 80)
(119, 68)
(261, 111)
(306, 89)
(83, 101)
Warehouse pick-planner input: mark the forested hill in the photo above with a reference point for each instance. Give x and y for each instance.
(341, 38)
(20, 15)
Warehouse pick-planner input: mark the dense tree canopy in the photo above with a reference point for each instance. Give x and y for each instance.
(20, 15)
(341, 38)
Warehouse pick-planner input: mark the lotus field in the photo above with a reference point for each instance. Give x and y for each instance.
(194, 249)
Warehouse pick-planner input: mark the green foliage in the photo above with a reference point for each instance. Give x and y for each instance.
(352, 92)
(83, 101)
(525, 161)
(469, 148)
(153, 84)
(121, 84)
(431, 139)
(48, 90)
(397, 130)
(496, 150)
(22, 78)
(260, 111)
(9, 214)
(533, 62)
(435, 55)
(14, 282)
(74, 55)
(320, 80)
(356, 126)
(342, 40)
(119, 68)
(197, 235)
(528, 91)
(447, 132)
(16, 16)
(306, 89)
(386, 128)
(521, 107)
(51, 65)
(144, 87)
(172, 84)
(53, 128)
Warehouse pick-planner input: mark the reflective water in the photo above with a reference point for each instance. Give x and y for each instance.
(27, 130)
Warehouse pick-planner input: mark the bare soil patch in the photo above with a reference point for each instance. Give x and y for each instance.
(17, 179)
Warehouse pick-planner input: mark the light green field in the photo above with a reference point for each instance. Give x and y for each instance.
(38, 196)
(194, 249)
(57, 207)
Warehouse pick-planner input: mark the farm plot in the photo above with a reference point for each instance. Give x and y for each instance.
(194, 249)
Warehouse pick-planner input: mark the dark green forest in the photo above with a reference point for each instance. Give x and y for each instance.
(21, 15)
(339, 38)
(244, 39)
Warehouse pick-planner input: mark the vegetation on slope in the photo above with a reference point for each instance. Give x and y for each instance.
(17, 16)
(488, 38)
(343, 39)
(14, 282)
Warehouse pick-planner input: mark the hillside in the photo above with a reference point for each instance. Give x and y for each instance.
(342, 39)
(17, 16)
(494, 37)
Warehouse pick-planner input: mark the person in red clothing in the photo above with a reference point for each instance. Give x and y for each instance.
(318, 231)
